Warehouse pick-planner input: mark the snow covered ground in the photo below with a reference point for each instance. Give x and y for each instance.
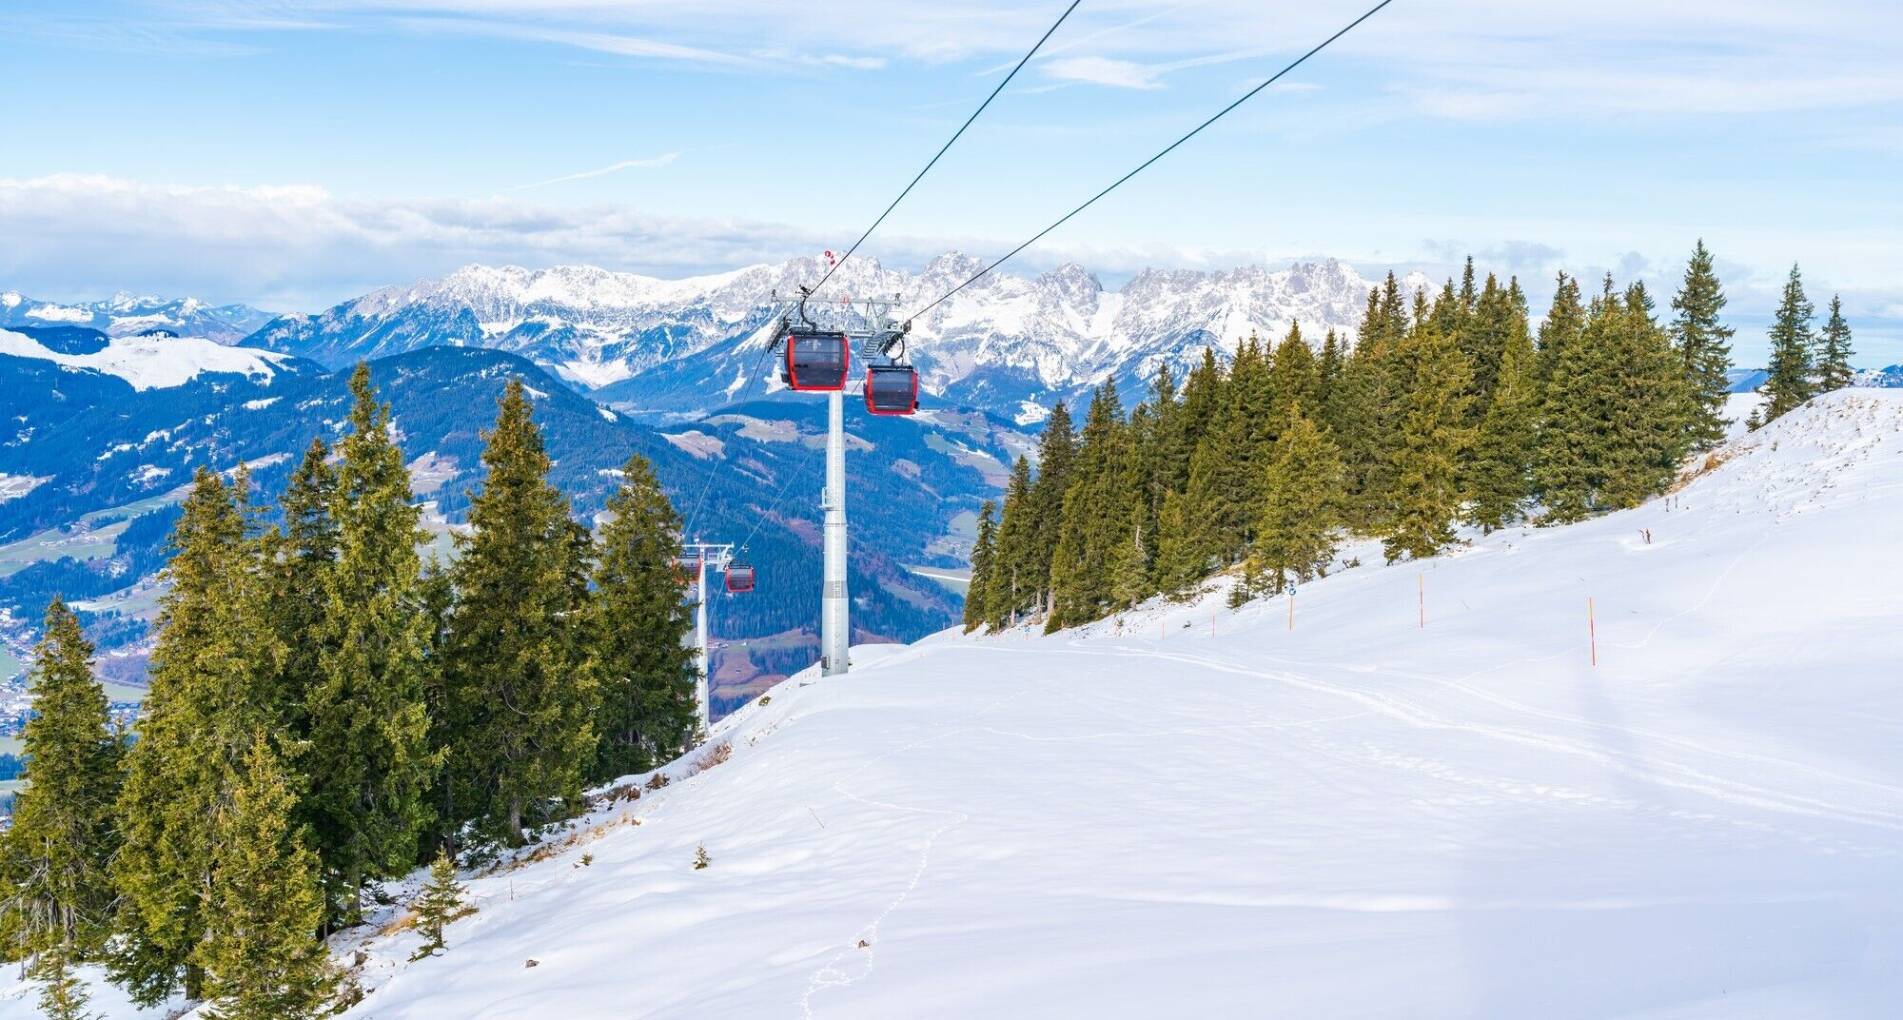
(1189, 811)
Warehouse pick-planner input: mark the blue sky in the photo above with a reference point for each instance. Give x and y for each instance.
(291, 153)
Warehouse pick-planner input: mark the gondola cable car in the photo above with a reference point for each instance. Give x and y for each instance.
(892, 388)
(739, 578)
(816, 360)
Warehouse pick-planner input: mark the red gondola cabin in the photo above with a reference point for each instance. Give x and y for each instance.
(891, 389)
(739, 578)
(817, 362)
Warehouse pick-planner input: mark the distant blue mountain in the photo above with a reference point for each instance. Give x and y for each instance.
(132, 314)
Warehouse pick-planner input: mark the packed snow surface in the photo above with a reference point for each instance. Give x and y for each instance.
(1423, 800)
(152, 362)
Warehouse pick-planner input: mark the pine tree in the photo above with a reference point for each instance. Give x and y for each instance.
(1056, 448)
(1294, 380)
(1328, 369)
(440, 904)
(1224, 470)
(1130, 566)
(1565, 321)
(1469, 296)
(63, 995)
(212, 686)
(1649, 428)
(1614, 420)
(1201, 403)
(1095, 506)
(1498, 321)
(1295, 535)
(369, 762)
(1704, 346)
(1790, 382)
(1499, 479)
(1366, 421)
(1834, 353)
(260, 955)
(1181, 560)
(638, 623)
(517, 732)
(298, 559)
(982, 552)
(1433, 439)
(59, 891)
(1008, 589)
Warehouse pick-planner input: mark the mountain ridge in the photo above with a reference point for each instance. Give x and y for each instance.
(1009, 344)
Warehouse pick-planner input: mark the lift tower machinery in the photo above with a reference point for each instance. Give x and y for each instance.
(738, 579)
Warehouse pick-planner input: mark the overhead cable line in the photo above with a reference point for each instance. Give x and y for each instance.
(774, 508)
(948, 144)
(1114, 185)
(766, 348)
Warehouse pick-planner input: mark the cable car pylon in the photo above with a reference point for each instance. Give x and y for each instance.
(811, 354)
(720, 557)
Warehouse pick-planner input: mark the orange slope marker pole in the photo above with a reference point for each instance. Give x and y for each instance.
(1592, 632)
(1291, 610)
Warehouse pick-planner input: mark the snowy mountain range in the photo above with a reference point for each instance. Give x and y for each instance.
(1008, 344)
(130, 314)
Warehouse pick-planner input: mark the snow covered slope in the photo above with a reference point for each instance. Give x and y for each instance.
(1004, 340)
(1191, 811)
(149, 362)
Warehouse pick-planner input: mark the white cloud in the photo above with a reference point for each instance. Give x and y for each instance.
(1468, 59)
(300, 247)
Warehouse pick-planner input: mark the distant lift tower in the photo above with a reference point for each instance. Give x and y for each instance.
(720, 557)
(819, 360)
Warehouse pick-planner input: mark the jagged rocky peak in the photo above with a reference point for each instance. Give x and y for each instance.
(1074, 284)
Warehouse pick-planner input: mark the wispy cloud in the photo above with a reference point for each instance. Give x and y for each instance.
(627, 164)
(1123, 74)
(617, 43)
